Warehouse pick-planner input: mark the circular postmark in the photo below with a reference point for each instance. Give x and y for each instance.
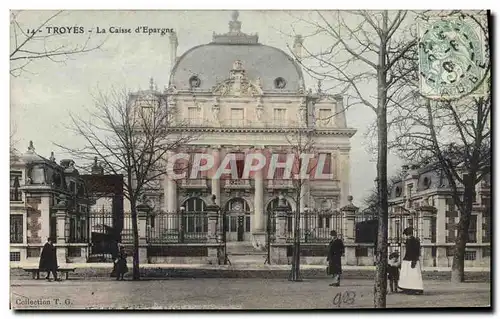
(452, 58)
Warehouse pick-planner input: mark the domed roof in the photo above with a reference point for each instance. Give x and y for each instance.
(211, 63)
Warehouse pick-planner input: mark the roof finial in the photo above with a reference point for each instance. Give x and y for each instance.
(235, 25)
(31, 148)
(151, 83)
(235, 15)
(52, 157)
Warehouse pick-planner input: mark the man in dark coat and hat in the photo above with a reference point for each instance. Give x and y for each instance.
(335, 252)
(48, 259)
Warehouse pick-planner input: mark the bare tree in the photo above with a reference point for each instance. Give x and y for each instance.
(131, 134)
(300, 141)
(363, 52)
(31, 43)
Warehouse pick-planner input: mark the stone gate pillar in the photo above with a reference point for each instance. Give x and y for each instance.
(278, 251)
(349, 231)
(427, 214)
(214, 252)
(61, 221)
(143, 211)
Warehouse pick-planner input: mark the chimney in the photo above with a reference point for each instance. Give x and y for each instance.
(173, 49)
(298, 46)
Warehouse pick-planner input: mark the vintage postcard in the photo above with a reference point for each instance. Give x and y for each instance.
(250, 160)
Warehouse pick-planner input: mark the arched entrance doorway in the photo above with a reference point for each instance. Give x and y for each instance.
(271, 217)
(237, 222)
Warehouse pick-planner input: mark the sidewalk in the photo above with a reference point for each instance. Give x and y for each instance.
(233, 267)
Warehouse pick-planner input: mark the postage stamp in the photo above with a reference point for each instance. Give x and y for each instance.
(453, 58)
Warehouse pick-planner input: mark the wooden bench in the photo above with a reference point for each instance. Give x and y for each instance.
(35, 272)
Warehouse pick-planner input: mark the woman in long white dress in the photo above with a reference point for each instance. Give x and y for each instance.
(410, 278)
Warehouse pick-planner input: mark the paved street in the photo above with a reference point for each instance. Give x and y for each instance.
(232, 294)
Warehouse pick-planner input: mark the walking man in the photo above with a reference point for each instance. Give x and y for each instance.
(335, 252)
(48, 259)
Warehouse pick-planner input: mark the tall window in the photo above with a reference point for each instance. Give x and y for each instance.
(486, 229)
(194, 116)
(327, 168)
(280, 117)
(15, 193)
(194, 220)
(16, 229)
(240, 164)
(324, 116)
(237, 117)
(472, 234)
(279, 173)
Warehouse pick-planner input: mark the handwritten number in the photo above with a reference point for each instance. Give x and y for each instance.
(348, 297)
(337, 300)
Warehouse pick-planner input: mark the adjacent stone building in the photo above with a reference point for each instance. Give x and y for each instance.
(422, 199)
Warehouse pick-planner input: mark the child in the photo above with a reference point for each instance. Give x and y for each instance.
(393, 270)
(121, 263)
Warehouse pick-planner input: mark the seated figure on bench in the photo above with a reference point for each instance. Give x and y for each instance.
(48, 259)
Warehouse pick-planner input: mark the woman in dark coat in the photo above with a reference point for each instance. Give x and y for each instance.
(121, 264)
(410, 278)
(334, 258)
(48, 259)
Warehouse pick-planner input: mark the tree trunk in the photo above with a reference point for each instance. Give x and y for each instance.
(380, 288)
(295, 274)
(135, 263)
(457, 269)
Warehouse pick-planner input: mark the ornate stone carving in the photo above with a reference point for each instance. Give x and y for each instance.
(238, 83)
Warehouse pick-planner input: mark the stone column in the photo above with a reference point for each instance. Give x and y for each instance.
(142, 218)
(61, 218)
(171, 202)
(216, 153)
(259, 222)
(441, 253)
(348, 218)
(214, 252)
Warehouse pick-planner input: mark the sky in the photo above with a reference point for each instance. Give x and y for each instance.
(45, 94)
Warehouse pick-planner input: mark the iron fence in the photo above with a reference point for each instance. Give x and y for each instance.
(178, 227)
(316, 227)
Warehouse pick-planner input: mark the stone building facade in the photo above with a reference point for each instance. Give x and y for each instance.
(237, 95)
(422, 199)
